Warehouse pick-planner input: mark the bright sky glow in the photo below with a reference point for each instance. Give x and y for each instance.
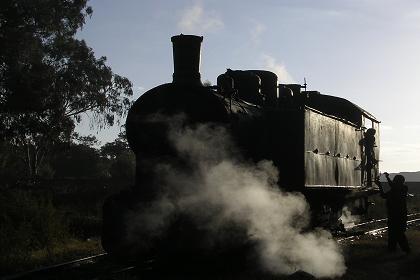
(367, 51)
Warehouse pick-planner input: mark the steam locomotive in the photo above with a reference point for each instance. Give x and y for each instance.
(325, 147)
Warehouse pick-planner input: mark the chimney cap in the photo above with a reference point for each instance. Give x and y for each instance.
(186, 37)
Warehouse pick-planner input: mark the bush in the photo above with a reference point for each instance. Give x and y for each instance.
(29, 222)
(84, 227)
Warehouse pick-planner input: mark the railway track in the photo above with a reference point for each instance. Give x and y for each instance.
(101, 266)
(98, 267)
(373, 227)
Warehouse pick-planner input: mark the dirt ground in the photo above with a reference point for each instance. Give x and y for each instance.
(368, 258)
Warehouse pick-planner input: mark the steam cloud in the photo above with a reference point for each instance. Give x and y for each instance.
(196, 19)
(221, 187)
(271, 64)
(347, 219)
(256, 31)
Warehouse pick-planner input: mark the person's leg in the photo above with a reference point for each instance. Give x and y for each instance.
(403, 242)
(392, 239)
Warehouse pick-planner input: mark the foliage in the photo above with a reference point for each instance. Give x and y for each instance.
(89, 140)
(11, 166)
(120, 158)
(48, 78)
(29, 222)
(78, 161)
(35, 231)
(113, 149)
(123, 167)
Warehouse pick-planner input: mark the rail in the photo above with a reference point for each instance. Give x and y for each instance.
(50, 268)
(108, 269)
(379, 226)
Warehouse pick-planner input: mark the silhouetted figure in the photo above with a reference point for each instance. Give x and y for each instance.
(396, 205)
(369, 144)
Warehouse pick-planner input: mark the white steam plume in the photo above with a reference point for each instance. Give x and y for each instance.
(221, 188)
(256, 31)
(347, 219)
(271, 64)
(196, 19)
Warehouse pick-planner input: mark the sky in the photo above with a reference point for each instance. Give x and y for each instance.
(367, 51)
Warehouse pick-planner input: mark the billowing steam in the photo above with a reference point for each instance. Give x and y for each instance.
(216, 186)
(347, 219)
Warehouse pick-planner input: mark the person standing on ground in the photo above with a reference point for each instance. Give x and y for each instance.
(396, 205)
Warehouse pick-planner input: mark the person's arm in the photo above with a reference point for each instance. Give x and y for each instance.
(379, 184)
(387, 178)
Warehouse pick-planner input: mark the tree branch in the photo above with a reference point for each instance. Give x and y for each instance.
(73, 113)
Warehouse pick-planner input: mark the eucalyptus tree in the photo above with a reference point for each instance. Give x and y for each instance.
(49, 78)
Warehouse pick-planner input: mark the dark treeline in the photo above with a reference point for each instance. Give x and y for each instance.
(57, 215)
(79, 159)
(52, 180)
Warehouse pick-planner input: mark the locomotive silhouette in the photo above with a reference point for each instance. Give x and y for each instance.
(324, 146)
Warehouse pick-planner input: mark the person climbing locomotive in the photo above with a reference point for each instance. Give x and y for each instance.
(369, 144)
(396, 204)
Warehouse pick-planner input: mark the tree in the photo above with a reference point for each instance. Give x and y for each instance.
(78, 161)
(113, 149)
(89, 140)
(48, 78)
(11, 167)
(120, 158)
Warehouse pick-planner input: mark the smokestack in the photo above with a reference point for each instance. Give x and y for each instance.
(186, 49)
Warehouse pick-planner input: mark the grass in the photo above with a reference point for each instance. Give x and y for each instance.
(57, 253)
(36, 232)
(72, 249)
